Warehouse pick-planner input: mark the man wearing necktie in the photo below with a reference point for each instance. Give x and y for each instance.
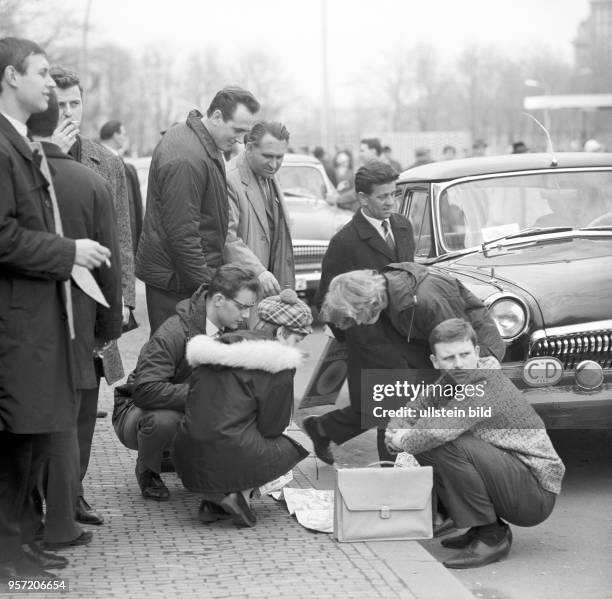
(374, 237)
(149, 407)
(86, 208)
(258, 232)
(37, 390)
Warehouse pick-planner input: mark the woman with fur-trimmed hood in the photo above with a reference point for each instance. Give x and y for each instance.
(240, 402)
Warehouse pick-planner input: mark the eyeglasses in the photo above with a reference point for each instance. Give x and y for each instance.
(240, 305)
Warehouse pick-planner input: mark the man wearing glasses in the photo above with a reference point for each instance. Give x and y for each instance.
(150, 405)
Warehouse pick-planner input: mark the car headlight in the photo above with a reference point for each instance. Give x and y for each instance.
(510, 316)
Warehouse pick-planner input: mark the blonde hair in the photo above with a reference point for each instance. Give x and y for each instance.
(358, 295)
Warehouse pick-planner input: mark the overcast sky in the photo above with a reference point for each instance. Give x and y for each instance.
(358, 32)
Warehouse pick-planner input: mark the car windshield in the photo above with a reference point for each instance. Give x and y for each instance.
(477, 211)
(302, 180)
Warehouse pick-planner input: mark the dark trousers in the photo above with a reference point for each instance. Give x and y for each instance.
(161, 304)
(86, 424)
(151, 432)
(21, 458)
(478, 482)
(345, 423)
(60, 485)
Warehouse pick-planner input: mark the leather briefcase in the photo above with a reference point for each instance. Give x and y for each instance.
(383, 504)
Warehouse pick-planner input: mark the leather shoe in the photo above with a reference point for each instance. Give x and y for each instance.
(319, 441)
(478, 553)
(43, 559)
(236, 505)
(83, 539)
(211, 512)
(85, 515)
(152, 486)
(462, 541)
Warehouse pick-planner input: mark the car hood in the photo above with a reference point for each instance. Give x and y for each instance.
(314, 219)
(569, 279)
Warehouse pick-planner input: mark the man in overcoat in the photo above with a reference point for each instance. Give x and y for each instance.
(187, 211)
(86, 209)
(37, 391)
(91, 154)
(258, 233)
(373, 238)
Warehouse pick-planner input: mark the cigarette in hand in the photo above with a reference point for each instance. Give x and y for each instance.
(107, 262)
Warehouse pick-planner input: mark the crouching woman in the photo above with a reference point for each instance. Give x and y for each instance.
(240, 402)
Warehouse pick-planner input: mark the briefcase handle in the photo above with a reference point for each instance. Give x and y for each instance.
(381, 462)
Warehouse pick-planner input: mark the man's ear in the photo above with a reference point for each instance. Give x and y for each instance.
(477, 350)
(363, 199)
(9, 76)
(216, 117)
(434, 361)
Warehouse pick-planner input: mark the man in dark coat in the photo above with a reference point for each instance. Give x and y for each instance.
(37, 391)
(86, 209)
(149, 407)
(362, 243)
(187, 214)
(91, 154)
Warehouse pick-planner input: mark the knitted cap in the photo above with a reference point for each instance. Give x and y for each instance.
(286, 310)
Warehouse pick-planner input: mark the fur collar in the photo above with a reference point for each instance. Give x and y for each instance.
(270, 356)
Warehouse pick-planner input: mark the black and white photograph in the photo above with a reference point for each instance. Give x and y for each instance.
(306, 298)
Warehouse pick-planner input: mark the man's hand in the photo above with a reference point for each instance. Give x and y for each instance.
(393, 439)
(269, 284)
(65, 135)
(90, 253)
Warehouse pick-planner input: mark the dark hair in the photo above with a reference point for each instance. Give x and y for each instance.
(375, 172)
(318, 153)
(386, 149)
(447, 148)
(14, 51)
(65, 78)
(453, 329)
(109, 129)
(43, 124)
(228, 98)
(260, 128)
(229, 279)
(373, 143)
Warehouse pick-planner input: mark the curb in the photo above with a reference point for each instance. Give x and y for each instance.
(423, 575)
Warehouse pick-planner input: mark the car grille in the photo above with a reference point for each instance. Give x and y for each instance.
(572, 349)
(308, 253)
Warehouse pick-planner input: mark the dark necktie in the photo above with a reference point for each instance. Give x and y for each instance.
(388, 237)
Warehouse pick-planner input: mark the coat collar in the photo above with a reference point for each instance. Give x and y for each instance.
(194, 122)
(17, 141)
(270, 356)
(368, 234)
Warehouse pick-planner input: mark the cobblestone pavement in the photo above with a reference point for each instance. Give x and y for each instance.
(147, 549)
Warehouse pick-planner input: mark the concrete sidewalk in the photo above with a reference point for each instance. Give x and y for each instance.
(148, 549)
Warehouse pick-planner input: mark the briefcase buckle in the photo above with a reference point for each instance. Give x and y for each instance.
(385, 512)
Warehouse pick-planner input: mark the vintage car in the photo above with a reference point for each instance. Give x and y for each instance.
(311, 200)
(531, 235)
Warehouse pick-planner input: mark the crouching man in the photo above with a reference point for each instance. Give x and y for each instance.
(149, 407)
(492, 458)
